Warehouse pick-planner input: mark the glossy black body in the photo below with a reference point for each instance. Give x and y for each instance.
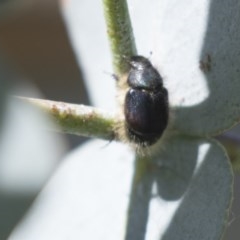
(146, 103)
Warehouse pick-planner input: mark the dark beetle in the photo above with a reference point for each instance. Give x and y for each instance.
(146, 103)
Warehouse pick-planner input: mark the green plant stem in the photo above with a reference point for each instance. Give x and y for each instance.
(120, 33)
(77, 119)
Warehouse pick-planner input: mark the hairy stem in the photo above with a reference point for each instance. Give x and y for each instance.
(120, 33)
(77, 119)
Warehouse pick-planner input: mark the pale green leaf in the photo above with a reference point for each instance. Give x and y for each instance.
(185, 195)
(197, 49)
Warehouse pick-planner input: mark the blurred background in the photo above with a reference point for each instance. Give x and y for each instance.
(34, 45)
(36, 59)
(34, 41)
